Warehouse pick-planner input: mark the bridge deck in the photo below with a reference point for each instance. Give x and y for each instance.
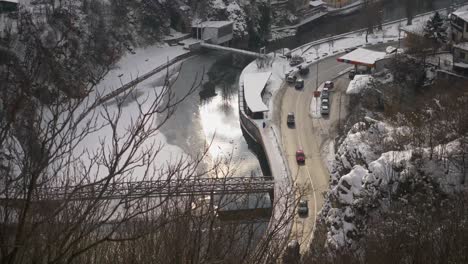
(239, 51)
(148, 189)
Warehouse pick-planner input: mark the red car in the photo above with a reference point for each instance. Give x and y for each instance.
(300, 156)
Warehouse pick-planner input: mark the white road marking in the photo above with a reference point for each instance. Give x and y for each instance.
(312, 185)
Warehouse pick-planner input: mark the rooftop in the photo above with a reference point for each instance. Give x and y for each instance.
(215, 24)
(362, 56)
(462, 13)
(316, 3)
(254, 83)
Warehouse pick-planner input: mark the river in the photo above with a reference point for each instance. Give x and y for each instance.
(210, 115)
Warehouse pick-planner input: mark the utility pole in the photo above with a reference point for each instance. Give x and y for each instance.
(316, 77)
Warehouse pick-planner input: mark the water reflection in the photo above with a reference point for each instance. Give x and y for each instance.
(219, 115)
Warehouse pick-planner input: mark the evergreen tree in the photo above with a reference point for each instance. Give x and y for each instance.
(436, 29)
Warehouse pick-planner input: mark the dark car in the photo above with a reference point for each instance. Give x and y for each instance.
(299, 84)
(300, 156)
(290, 121)
(329, 85)
(303, 208)
(296, 60)
(303, 70)
(291, 79)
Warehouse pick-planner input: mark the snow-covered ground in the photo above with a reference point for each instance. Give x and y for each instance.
(373, 169)
(140, 99)
(142, 61)
(359, 83)
(315, 104)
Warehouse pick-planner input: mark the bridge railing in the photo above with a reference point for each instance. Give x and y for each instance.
(148, 189)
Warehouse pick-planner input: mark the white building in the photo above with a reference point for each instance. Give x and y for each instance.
(214, 32)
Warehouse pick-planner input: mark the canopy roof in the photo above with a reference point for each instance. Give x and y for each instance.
(254, 83)
(362, 56)
(316, 3)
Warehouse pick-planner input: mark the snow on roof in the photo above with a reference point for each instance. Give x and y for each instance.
(462, 45)
(214, 24)
(11, 1)
(462, 13)
(362, 56)
(254, 83)
(316, 3)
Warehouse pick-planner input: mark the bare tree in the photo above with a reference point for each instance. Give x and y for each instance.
(82, 171)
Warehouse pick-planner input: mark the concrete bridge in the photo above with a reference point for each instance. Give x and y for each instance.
(154, 189)
(229, 49)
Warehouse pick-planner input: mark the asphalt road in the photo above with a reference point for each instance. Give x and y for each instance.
(311, 134)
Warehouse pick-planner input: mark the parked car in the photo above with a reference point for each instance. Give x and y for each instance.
(325, 101)
(296, 60)
(300, 156)
(303, 70)
(303, 208)
(325, 109)
(299, 84)
(325, 93)
(329, 85)
(290, 120)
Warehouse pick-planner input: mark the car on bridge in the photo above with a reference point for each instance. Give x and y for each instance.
(300, 156)
(303, 208)
(290, 120)
(296, 60)
(291, 78)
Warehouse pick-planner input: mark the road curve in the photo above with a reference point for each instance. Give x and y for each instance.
(312, 178)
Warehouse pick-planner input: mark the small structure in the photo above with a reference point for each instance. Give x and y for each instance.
(316, 6)
(362, 57)
(254, 85)
(8, 6)
(214, 32)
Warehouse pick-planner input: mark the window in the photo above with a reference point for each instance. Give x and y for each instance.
(466, 27)
(462, 55)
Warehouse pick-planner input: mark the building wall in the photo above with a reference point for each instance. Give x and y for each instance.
(459, 30)
(210, 33)
(460, 55)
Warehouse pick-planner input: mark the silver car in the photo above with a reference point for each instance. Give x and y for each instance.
(325, 109)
